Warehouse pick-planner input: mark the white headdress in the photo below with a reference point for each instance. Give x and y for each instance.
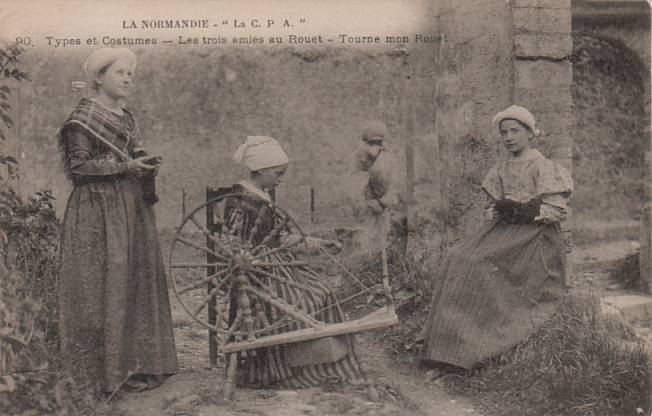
(101, 58)
(516, 112)
(260, 152)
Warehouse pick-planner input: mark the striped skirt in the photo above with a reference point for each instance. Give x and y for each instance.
(276, 366)
(493, 291)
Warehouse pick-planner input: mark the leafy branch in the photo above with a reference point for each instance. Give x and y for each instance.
(9, 71)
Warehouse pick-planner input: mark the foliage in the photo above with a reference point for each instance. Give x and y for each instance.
(409, 278)
(32, 229)
(17, 318)
(610, 135)
(627, 272)
(28, 273)
(28, 229)
(9, 60)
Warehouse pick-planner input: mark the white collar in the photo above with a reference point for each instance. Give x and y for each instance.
(255, 190)
(118, 110)
(529, 155)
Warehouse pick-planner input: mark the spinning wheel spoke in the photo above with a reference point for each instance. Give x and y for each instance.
(282, 324)
(290, 310)
(208, 298)
(206, 250)
(225, 241)
(207, 233)
(272, 293)
(282, 264)
(278, 249)
(287, 281)
(347, 271)
(204, 281)
(261, 285)
(248, 272)
(194, 265)
(234, 326)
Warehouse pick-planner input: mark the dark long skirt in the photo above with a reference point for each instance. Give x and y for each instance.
(113, 298)
(493, 290)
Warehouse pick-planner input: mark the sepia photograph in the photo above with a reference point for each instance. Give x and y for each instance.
(307, 208)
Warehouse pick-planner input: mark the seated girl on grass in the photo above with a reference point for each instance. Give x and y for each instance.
(498, 286)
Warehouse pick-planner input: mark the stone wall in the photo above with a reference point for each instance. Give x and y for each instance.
(543, 72)
(500, 53)
(195, 105)
(625, 25)
(472, 79)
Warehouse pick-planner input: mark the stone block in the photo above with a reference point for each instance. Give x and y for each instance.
(554, 21)
(543, 4)
(554, 124)
(633, 307)
(543, 45)
(611, 312)
(544, 100)
(543, 75)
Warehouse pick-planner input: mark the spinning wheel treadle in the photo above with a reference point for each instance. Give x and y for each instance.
(246, 257)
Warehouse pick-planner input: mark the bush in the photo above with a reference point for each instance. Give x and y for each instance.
(32, 231)
(627, 272)
(410, 279)
(28, 280)
(18, 313)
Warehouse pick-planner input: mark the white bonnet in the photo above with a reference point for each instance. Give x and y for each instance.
(101, 58)
(260, 152)
(516, 112)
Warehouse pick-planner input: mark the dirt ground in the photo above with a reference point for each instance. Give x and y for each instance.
(197, 389)
(404, 389)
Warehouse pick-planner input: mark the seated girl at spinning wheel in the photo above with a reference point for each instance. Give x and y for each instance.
(250, 213)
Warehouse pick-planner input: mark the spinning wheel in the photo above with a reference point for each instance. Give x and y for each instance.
(233, 265)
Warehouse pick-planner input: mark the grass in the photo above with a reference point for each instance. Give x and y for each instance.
(590, 233)
(580, 363)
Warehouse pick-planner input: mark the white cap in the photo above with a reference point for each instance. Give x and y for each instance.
(260, 152)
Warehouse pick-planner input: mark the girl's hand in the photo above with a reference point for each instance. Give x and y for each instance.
(549, 214)
(332, 246)
(144, 165)
(490, 213)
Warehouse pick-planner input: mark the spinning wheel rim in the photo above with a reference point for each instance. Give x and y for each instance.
(241, 334)
(178, 239)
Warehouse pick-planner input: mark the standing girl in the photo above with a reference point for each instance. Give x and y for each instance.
(499, 286)
(114, 310)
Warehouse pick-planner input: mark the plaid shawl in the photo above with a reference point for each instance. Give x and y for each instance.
(120, 131)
